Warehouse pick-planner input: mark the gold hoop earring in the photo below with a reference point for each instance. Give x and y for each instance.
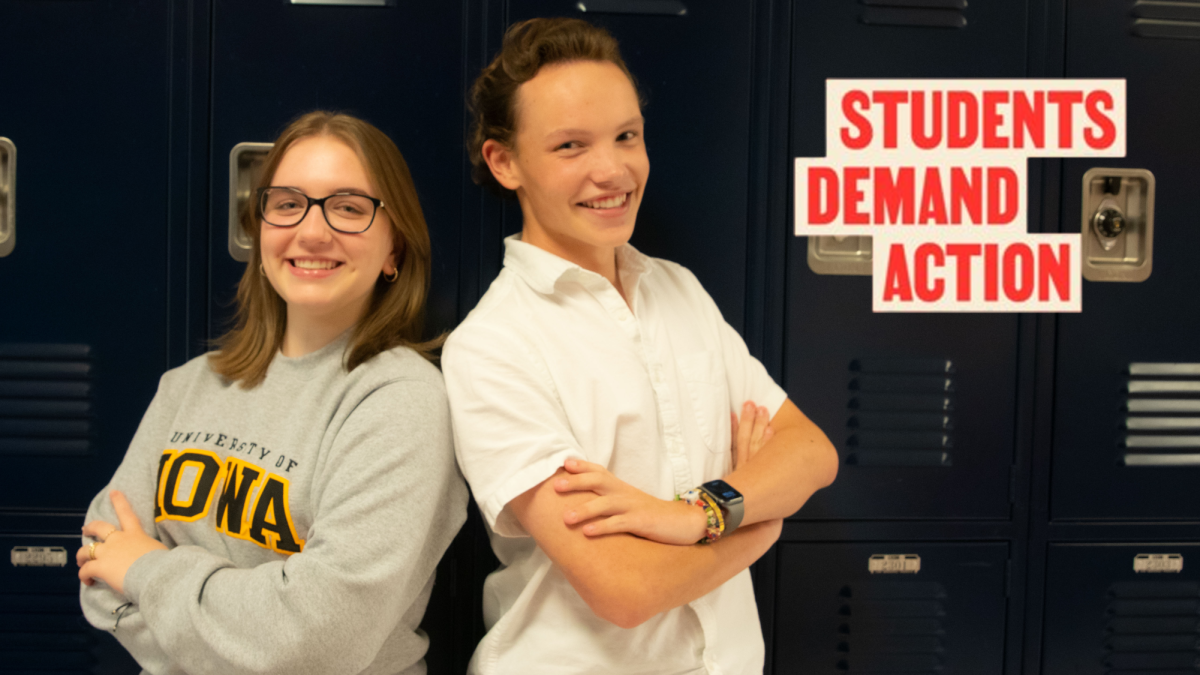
(261, 270)
(391, 278)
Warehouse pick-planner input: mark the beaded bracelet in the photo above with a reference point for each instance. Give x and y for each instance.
(715, 523)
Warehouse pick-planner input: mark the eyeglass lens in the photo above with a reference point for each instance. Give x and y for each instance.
(284, 207)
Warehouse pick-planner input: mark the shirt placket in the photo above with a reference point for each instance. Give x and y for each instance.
(671, 431)
(668, 406)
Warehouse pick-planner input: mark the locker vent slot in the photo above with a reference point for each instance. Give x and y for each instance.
(1173, 20)
(891, 627)
(914, 13)
(1160, 425)
(45, 399)
(1153, 627)
(901, 412)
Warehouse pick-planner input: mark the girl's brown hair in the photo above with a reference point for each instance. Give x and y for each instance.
(395, 315)
(527, 47)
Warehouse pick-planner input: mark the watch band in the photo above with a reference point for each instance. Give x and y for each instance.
(729, 500)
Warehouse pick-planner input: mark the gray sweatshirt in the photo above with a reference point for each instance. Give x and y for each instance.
(304, 517)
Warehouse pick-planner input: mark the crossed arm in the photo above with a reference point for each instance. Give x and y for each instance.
(620, 548)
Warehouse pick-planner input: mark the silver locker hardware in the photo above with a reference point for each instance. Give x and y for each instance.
(661, 7)
(245, 167)
(840, 255)
(347, 3)
(8, 196)
(1118, 224)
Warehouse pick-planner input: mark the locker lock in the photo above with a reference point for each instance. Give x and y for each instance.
(1109, 223)
(1118, 224)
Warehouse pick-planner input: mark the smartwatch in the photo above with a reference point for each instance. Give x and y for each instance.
(728, 499)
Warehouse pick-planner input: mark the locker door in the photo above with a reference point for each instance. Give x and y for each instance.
(399, 66)
(41, 629)
(1122, 608)
(695, 73)
(890, 608)
(1127, 406)
(84, 290)
(920, 407)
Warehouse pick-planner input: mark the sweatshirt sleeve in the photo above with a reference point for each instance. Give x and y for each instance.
(386, 506)
(137, 477)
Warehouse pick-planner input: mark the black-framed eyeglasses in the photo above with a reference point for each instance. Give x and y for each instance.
(344, 211)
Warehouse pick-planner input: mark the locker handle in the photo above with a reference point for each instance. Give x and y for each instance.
(662, 7)
(346, 3)
(8, 196)
(1161, 460)
(245, 167)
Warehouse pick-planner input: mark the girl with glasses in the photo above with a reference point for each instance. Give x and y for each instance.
(286, 499)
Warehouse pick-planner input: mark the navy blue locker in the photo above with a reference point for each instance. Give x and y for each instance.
(1122, 608)
(41, 628)
(1127, 380)
(85, 287)
(88, 280)
(922, 408)
(894, 607)
(695, 72)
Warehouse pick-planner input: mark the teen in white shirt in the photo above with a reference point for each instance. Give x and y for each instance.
(592, 384)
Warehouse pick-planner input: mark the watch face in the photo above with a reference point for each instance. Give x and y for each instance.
(722, 490)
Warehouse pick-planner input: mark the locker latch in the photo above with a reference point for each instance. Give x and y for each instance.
(8, 196)
(1118, 224)
(245, 167)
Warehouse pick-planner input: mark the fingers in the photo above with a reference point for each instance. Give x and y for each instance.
(86, 572)
(125, 513)
(594, 508)
(742, 430)
(584, 482)
(99, 530)
(746, 424)
(612, 525)
(762, 422)
(83, 556)
(574, 465)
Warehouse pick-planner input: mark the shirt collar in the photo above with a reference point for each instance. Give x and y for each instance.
(542, 269)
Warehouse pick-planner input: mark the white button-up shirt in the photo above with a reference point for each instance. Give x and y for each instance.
(554, 364)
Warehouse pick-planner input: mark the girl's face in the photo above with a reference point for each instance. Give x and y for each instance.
(578, 162)
(319, 272)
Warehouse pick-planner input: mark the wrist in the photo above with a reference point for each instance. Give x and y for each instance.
(697, 521)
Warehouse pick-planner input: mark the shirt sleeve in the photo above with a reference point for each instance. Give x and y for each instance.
(746, 376)
(386, 508)
(137, 477)
(510, 428)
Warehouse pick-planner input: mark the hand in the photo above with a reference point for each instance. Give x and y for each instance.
(751, 434)
(117, 548)
(620, 507)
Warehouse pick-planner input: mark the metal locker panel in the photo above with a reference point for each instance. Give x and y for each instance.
(695, 72)
(920, 407)
(921, 608)
(397, 65)
(1127, 402)
(84, 327)
(41, 625)
(1122, 608)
